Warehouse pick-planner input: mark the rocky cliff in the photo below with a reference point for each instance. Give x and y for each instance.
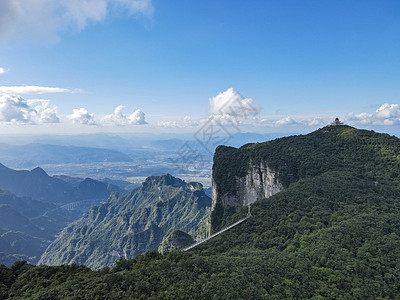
(258, 181)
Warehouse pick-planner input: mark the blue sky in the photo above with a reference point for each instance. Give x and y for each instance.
(301, 62)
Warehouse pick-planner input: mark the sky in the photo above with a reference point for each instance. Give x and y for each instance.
(169, 66)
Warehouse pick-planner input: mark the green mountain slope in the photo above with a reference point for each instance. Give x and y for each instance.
(332, 233)
(129, 224)
(339, 148)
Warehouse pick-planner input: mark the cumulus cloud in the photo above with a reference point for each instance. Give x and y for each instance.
(16, 110)
(44, 18)
(299, 120)
(286, 121)
(232, 103)
(119, 118)
(386, 114)
(81, 116)
(30, 90)
(2, 70)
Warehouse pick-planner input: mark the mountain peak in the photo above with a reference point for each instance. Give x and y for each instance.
(3, 167)
(166, 179)
(39, 171)
(194, 186)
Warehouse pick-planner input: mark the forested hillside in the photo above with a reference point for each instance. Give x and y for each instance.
(333, 233)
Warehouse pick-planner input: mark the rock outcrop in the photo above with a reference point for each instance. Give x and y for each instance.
(258, 181)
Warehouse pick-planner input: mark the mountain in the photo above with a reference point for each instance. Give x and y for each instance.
(73, 203)
(30, 225)
(122, 184)
(35, 183)
(331, 232)
(26, 206)
(128, 224)
(13, 220)
(58, 189)
(73, 181)
(20, 237)
(90, 189)
(255, 171)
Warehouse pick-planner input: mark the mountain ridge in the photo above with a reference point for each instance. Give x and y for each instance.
(131, 223)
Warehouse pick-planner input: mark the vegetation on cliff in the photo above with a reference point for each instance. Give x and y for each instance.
(339, 148)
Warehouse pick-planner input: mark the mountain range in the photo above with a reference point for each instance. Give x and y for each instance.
(325, 224)
(128, 224)
(35, 207)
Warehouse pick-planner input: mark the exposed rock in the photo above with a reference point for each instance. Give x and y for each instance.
(259, 182)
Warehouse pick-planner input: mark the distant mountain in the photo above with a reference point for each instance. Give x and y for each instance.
(128, 224)
(25, 205)
(35, 184)
(59, 190)
(20, 237)
(29, 225)
(122, 184)
(27, 156)
(17, 246)
(90, 189)
(12, 220)
(74, 181)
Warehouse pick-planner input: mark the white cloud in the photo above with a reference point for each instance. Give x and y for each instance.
(169, 124)
(298, 120)
(232, 103)
(81, 116)
(386, 114)
(137, 118)
(315, 122)
(118, 118)
(2, 70)
(16, 110)
(286, 121)
(186, 122)
(30, 90)
(45, 18)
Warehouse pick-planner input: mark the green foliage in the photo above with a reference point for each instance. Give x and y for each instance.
(176, 240)
(129, 224)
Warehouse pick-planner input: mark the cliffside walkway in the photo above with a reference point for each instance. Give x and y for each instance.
(219, 232)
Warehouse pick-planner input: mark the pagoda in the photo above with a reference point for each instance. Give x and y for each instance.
(337, 122)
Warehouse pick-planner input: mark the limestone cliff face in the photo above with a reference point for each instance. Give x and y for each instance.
(257, 183)
(260, 182)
